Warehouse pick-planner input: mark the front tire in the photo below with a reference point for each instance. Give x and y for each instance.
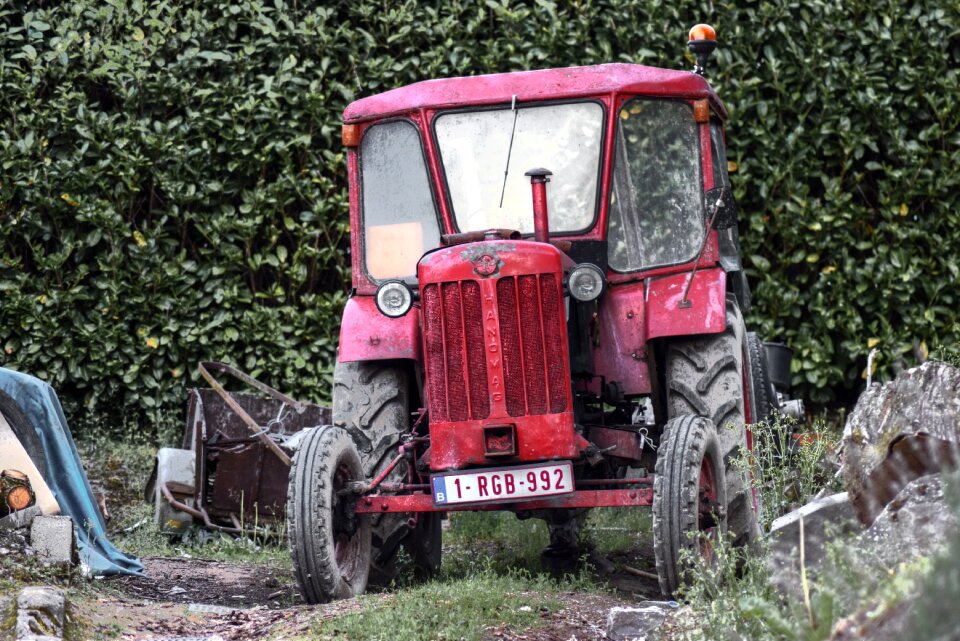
(330, 545)
(689, 495)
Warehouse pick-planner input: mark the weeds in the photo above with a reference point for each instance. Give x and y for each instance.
(790, 467)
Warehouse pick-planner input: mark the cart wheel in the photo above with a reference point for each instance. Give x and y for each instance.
(689, 496)
(425, 545)
(330, 545)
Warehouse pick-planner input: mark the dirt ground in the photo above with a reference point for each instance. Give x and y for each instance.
(174, 600)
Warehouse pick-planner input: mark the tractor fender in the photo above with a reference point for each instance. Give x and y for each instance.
(706, 313)
(368, 335)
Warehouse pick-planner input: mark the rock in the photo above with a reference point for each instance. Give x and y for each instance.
(52, 538)
(900, 431)
(914, 524)
(640, 624)
(823, 520)
(21, 519)
(40, 614)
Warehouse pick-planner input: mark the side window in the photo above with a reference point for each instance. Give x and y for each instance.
(398, 211)
(718, 153)
(656, 200)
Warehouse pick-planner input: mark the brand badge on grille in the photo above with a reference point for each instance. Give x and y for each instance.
(486, 265)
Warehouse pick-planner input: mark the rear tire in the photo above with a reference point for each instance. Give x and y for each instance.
(762, 392)
(371, 402)
(689, 495)
(329, 544)
(425, 545)
(705, 376)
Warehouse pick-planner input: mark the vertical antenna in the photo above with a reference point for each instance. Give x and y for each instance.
(506, 170)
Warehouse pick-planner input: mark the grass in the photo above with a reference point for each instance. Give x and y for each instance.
(464, 608)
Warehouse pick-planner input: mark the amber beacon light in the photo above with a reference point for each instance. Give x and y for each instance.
(702, 42)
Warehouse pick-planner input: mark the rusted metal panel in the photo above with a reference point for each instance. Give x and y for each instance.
(706, 313)
(368, 335)
(621, 444)
(238, 477)
(620, 349)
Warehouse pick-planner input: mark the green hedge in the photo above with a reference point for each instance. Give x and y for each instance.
(173, 188)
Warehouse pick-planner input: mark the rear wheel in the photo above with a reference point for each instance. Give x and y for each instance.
(689, 495)
(371, 402)
(425, 545)
(705, 377)
(329, 543)
(762, 393)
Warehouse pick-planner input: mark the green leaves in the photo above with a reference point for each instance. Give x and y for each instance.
(177, 171)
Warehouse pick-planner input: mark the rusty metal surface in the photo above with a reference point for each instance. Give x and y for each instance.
(255, 428)
(618, 443)
(238, 478)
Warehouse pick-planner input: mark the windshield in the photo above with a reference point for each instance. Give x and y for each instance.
(475, 147)
(656, 203)
(399, 216)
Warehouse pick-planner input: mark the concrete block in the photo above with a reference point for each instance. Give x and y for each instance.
(52, 538)
(177, 470)
(40, 614)
(640, 624)
(21, 519)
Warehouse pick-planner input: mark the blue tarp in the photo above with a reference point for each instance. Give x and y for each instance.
(65, 474)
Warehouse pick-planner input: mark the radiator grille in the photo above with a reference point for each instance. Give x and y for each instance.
(530, 336)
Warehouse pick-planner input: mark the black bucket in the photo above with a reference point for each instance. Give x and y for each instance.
(778, 364)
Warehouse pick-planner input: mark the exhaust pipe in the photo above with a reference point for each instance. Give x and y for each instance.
(538, 184)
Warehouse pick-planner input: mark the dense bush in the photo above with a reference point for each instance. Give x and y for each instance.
(173, 188)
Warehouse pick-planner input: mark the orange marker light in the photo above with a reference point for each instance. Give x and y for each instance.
(703, 32)
(701, 111)
(350, 135)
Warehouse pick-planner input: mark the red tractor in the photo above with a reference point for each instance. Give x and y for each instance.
(546, 317)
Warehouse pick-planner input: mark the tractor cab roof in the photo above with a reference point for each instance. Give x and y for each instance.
(529, 86)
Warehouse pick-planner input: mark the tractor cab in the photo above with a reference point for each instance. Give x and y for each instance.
(546, 317)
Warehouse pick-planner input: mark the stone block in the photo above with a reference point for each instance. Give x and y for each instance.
(21, 519)
(52, 538)
(40, 614)
(636, 624)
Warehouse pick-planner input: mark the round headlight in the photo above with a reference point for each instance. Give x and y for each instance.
(586, 282)
(394, 299)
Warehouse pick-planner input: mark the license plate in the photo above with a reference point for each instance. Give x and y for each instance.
(503, 484)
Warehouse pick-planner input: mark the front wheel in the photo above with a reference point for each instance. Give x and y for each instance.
(329, 543)
(689, 497)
